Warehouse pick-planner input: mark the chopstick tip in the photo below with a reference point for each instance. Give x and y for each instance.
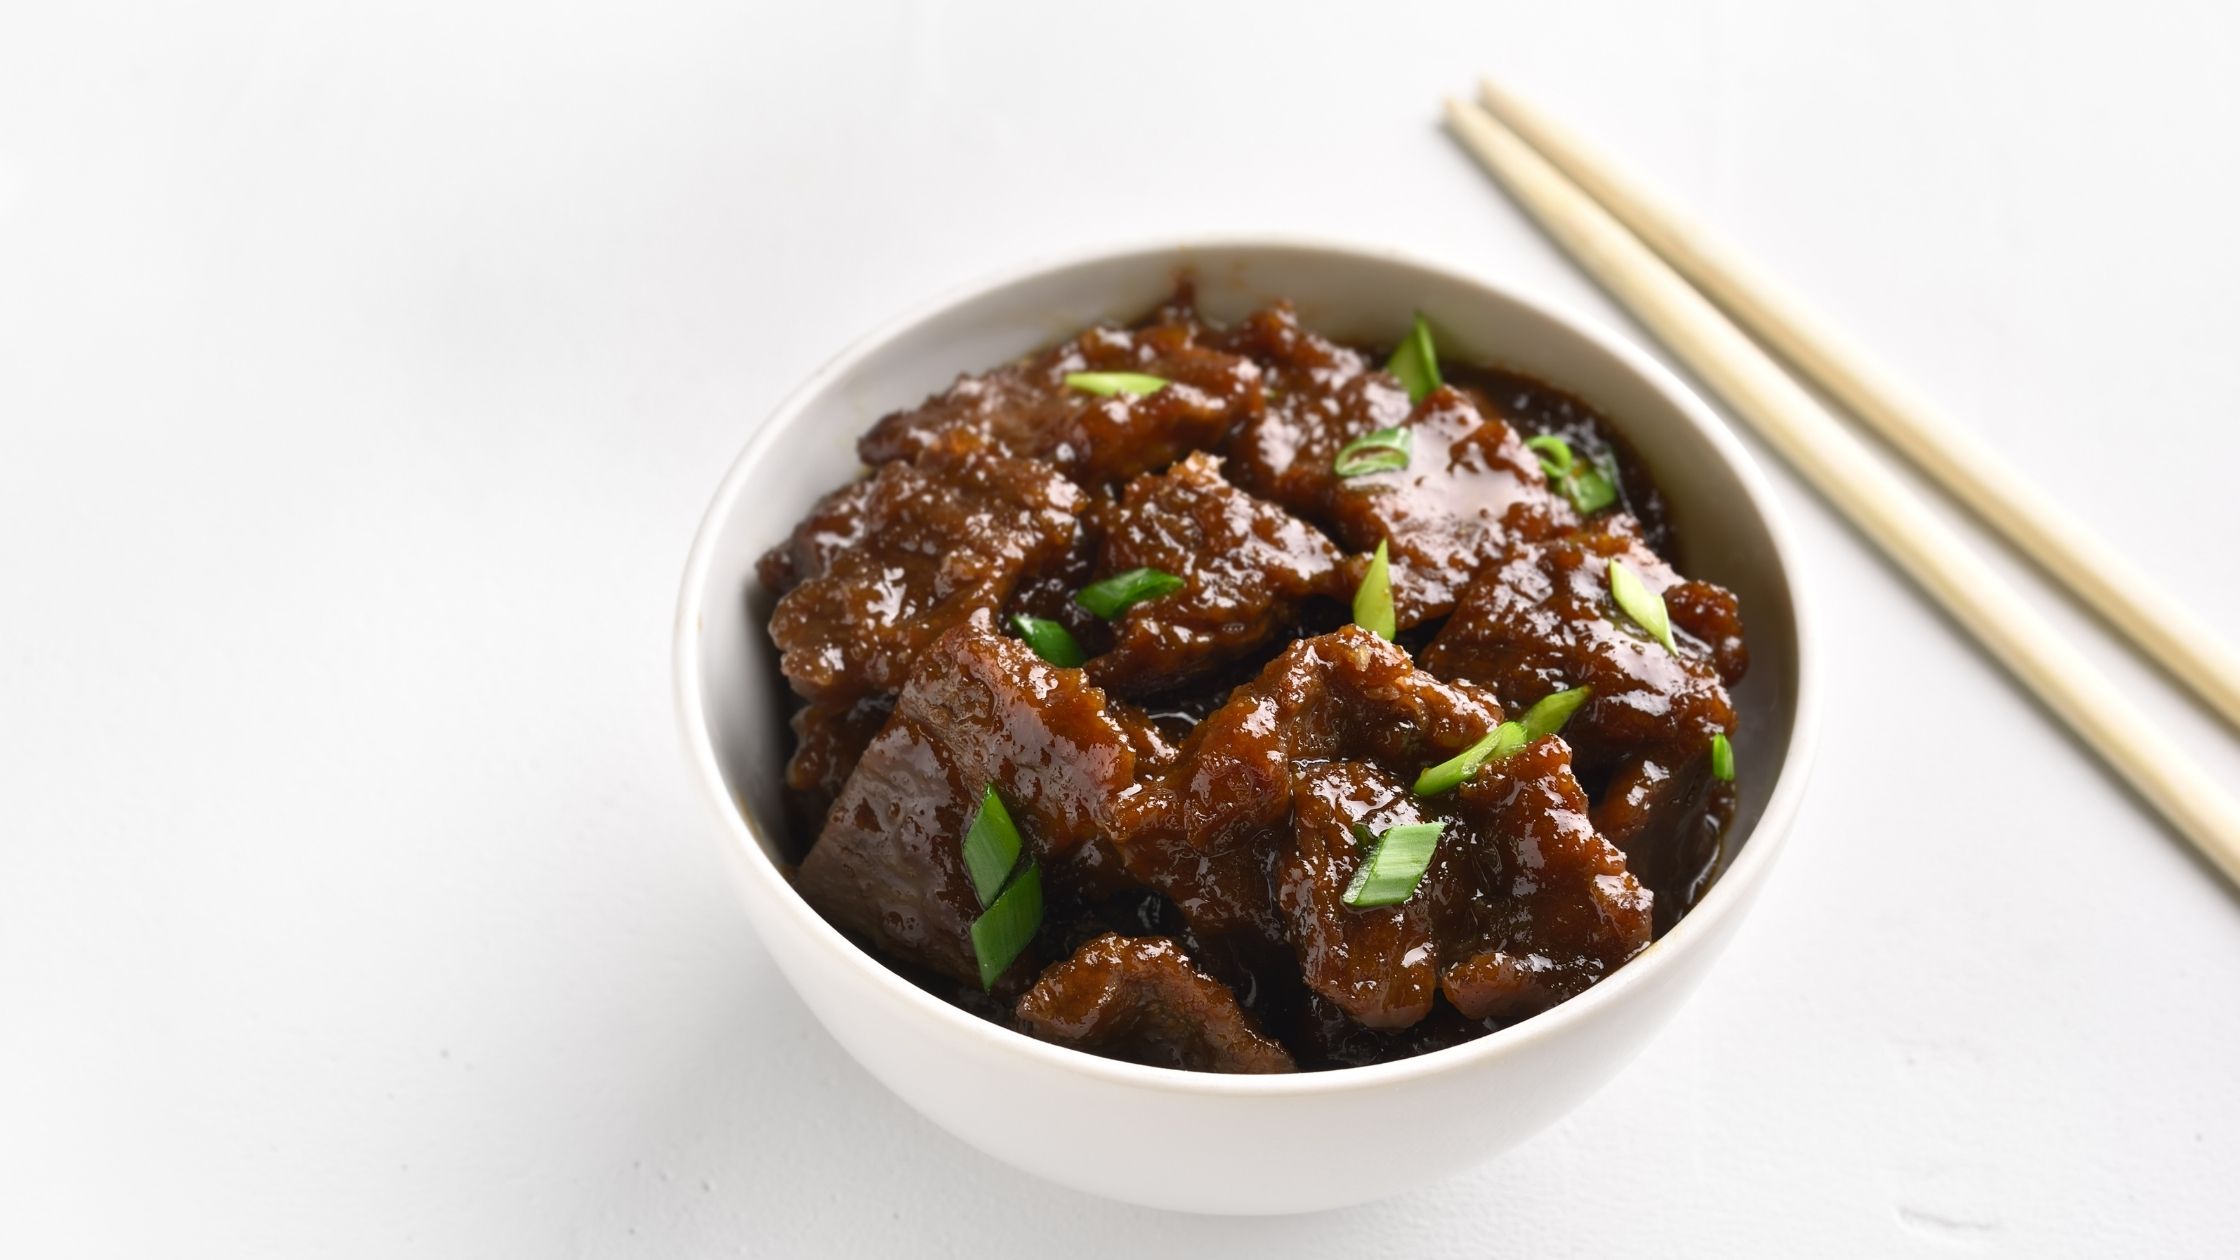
(1464, 114)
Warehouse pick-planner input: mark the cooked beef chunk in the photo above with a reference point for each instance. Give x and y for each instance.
(1541, 618)
(1154, 750)
(1213, 832)
(939, 540)
(1348, 694)
(1667, 819)
(1247, 565)
(1321, 395)
(1027, 409)
(831, 528)
(1042, 735)
(1219, 894)
(1469, 487)
(1519, 887)
(980, 709)
(1534, 885)
(887, 866)
(1470, 484)
(1377, 964)
(1711, 615)
(1140, 999)
(827, 745)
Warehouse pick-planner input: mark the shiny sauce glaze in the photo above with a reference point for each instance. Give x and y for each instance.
(1198, 792)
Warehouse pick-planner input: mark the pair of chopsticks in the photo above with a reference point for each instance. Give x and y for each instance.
(1675, 281)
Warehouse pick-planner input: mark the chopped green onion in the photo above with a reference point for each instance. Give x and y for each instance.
(1372, 604)
(1722, 758)
(1106, 384)
(1416, 363)
(1582, 481)
(1116, 594)
(1548, 716)
(1391, 871)
(1645, 606)
(1590, 490)
(991, 846)
(1450, 774)
(1050, 641)
(1555, 455)
(1014, 905)
(1385, 450)
(1000, 935)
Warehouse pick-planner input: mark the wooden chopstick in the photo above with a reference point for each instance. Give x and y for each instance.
(1963, 465)
(1863, 488)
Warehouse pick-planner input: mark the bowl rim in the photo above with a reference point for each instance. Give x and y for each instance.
(1726, 898)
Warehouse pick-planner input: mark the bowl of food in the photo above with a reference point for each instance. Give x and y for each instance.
(1244, 726)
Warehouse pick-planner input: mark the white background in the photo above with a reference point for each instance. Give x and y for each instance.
(362, 377)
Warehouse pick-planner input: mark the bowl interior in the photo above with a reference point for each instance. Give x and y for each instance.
(808, 448)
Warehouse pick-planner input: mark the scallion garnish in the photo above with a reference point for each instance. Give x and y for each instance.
(1548, 716)
(1590, 490)
(1050, 641)
(1545, 718)
(1582, 481)
(1106, 384)
(1722, 757)
(1116, 594)
(1645, 606)
(991, 846)
(1393, 868)
(1450, 774)
(1556, 458)
(1416, 363)
(1385, 450)
(1001, 934)
(1372, 603)
(1011, 907)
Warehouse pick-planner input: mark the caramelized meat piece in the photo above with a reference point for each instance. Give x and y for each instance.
(1347, 694)
(1220, 894)
(1713, 617)
(833, 526)
(938, 541)
(1532, 905)
(1041, 734)
(1522, 903)
(1212, 831)
(1667, 818)
(1141, 999)
(1247, 564)
(980, 709)
(887, 866)
(827, 745)
(1027, 409)
(1376, 964)
(1470, 486)
(1321, 395)
(1153, 749)
(1541, 619)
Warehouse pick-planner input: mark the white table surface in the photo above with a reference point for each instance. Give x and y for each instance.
(362, 377)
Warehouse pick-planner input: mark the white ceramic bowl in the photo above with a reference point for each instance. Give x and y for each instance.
(1200, 1141)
